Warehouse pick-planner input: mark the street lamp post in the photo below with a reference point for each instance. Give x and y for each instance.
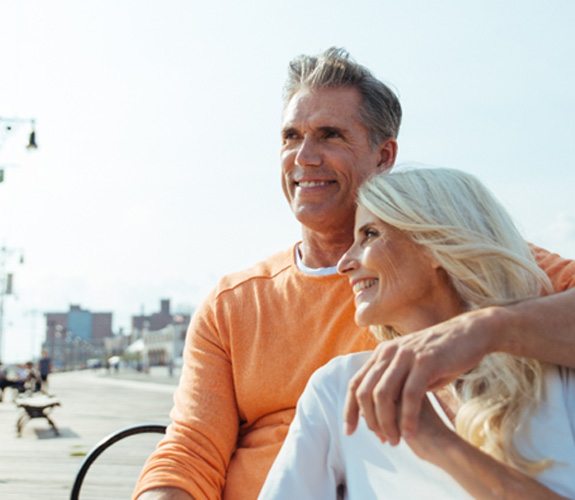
(8, 125)
(6, 284)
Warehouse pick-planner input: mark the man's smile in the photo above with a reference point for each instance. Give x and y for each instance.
(311, 184)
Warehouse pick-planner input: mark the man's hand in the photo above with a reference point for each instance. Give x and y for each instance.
(388, 390)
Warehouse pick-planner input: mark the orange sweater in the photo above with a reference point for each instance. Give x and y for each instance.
(250, 351)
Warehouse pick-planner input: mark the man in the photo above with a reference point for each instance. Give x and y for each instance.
(261, 333)
(45, 368)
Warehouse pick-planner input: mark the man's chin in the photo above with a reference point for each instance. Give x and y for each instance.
(324, 218)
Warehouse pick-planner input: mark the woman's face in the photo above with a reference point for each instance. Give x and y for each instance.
(395, 281)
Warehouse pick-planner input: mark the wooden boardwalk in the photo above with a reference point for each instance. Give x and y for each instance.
(39, 465)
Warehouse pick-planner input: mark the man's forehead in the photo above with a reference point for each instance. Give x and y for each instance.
(326, 104)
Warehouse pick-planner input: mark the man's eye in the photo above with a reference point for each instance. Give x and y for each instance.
(331, 134)
(289, 135)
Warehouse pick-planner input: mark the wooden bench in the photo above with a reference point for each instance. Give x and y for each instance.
(17, 386)
(37, 406)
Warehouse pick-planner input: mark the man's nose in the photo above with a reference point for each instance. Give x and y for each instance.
(308, 154)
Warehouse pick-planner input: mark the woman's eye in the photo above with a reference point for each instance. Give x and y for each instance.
(370, 234)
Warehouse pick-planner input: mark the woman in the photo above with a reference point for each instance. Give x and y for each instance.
(430, 244)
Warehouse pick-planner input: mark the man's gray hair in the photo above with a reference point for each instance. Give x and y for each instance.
(380, 108)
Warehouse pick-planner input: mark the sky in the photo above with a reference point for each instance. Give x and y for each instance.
(158, 130)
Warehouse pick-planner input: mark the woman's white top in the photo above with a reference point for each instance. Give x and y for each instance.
(317, 456)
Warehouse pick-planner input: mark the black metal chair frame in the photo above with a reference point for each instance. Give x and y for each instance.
(104, 444)
(31, 409)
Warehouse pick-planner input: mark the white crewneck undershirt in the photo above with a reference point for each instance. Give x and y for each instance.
(312, 271)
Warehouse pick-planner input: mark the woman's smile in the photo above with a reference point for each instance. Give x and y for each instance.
(360, 285)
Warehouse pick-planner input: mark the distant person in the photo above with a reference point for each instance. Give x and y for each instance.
(17, 383)
(45, 368)
(3, 380)
(32, 380)
(431, 244)
(6, 381)
(22, 376)
(261, 333)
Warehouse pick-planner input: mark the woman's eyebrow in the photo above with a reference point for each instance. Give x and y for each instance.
(363, 227)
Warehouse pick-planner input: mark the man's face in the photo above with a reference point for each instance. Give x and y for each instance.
(326, 155)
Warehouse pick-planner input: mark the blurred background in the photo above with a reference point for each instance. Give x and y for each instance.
(157, 132)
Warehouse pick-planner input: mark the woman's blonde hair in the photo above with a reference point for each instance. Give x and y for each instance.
(471, 235)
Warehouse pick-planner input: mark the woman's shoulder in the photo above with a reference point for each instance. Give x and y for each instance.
(337, 372)
(549, 432)
(327, 387)
(560, 395)
(559, 385)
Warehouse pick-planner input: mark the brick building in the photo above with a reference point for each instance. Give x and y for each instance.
(74, 336)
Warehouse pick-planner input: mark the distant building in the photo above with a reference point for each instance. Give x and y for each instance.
(74, 336)
(116, 345)
(154, 321)
(164, 346)
(163, 335)
(158, 320)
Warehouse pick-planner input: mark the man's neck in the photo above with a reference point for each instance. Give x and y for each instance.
(323, 249)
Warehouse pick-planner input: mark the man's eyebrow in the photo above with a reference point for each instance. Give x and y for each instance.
(331, 129)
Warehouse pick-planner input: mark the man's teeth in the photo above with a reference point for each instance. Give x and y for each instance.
(362, 285)
(308, 184)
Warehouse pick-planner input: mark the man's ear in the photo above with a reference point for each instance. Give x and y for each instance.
(435, 264)
(387, 153)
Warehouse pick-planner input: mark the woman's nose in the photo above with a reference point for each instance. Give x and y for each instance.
(347, 263)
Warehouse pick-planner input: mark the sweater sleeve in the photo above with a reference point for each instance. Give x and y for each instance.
(561, 271)
(309, 464)
(195, 453)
